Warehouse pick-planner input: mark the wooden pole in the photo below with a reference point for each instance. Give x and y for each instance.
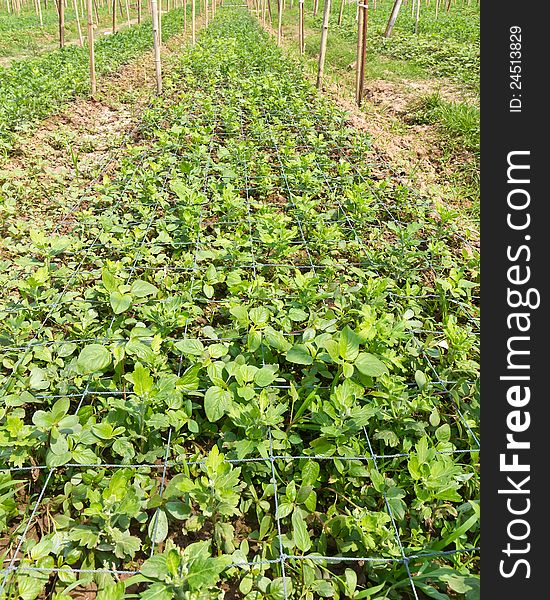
(127, 12)
(393, 17)
(156, 44)
(301, 32)
(364, 19)
(359, 57)
(193, 15)
(139, 11)
(39, 13)
(159, 16)
(323, 49)
(206, 13)
(269, 12)
(279, 21)
(315, 7)
(96, 10)
(75, 7)
(114, 17)
(417, 20)
(341, 13)
(89, 14)
(61, 13)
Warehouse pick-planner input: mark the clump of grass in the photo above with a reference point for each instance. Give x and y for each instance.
(457, 122)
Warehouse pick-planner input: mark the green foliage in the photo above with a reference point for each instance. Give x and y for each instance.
(182, 304)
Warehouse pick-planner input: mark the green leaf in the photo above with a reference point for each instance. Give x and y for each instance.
(158, 527)
(112, 592)
(216, 403)
(43, 420)
(421, 380)
(190, 347)
(84, 535)
(443, 433)
(280, 589)
(266, 375)
(259, 316)
(275, 339)
(110, 281)
(351, 580)
(38, 379)
(348, 345)
(300, 533)
(173, 561)
(29, 587)
(42, 549)
(369, 365)
(93, 359)
(299, 354)
(126, 545)
(284, 509)
(310, 473)
(157, 591)
(155, 567)
(297, 315)
(120, 302)
(142, 380)
(141, 289)
(204, 571)
(323, 587)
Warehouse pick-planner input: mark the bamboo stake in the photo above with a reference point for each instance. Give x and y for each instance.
(269, 12)
(364, 18)
(40, 13)
(279, 21)
(139, 11)
(206, 13)
(96, 10)
(127, 12)
(89, 10)
(159, 17)
(156, 44)
(114, 17)
(393, 17)
(341, 13)
(315, 7)
(301, 40)
(417, 16)
(323, 49)
(75, 7)
(358, 58)
(193, 15)
(61, 7)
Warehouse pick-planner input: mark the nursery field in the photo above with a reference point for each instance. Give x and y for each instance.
(242, 363)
